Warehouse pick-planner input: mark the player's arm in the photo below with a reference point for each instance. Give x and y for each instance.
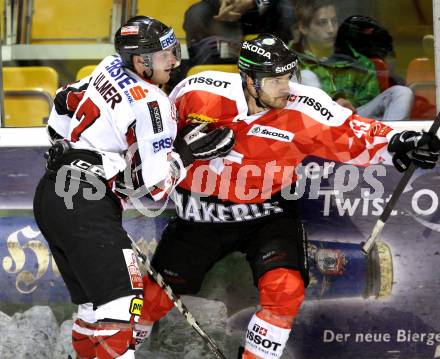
(363, 141)
(164, 159)
(198, 103)
(66, 101)
(406, 147)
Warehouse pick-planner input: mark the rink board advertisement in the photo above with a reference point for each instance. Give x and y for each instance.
(383, 306)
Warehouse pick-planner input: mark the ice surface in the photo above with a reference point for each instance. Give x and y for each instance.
(31, 334)
(35, 334)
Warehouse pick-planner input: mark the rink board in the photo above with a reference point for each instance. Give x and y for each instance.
(336, 318)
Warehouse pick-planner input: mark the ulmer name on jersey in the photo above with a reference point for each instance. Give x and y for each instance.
(107, 90)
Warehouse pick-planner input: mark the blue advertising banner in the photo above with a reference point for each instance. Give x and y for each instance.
(383, 306)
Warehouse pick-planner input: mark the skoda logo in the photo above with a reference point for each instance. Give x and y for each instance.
(256, 130)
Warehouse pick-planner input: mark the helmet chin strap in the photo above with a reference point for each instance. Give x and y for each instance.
(257, 87)
(148, 62)
(146, 76)
(260, 103)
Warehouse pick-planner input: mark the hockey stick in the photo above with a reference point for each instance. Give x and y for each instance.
(377, 229)
(177, 302)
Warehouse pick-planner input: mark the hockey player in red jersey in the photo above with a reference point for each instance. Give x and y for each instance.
(241, 202)
(93, 124)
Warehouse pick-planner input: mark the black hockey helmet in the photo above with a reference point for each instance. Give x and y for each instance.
(266, 56)
(365, 35)
(144, 36)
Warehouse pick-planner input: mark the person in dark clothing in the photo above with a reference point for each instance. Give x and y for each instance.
(331, 58)
(369, 38)
(209, 23)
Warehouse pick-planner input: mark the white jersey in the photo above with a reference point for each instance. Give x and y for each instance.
(113, 109)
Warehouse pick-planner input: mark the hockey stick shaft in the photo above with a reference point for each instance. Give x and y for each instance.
(378, 227)
(177, 302)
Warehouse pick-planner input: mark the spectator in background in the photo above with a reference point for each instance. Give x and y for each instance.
(329, 61)
(366, 36)
(318, 26)
(208, 23)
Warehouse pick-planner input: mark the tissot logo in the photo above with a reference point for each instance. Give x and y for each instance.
(255, 337)
(272, 133)
(259, 330)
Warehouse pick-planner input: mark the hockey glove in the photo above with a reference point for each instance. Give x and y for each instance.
(192, 143)
(55, 154)
(422, 148)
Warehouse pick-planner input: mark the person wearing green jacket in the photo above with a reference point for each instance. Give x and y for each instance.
(349, 77)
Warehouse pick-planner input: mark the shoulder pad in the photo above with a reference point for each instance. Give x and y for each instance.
(220, 83)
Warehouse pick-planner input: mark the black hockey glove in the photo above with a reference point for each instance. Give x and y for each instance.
(192, 143)
(55, 154)
(422, 148)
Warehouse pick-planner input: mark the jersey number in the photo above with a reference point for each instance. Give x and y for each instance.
(87, 114)
(360, 128)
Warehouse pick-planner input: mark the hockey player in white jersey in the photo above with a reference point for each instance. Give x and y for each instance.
(93, 124)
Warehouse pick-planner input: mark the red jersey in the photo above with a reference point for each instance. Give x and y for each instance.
(270, 144)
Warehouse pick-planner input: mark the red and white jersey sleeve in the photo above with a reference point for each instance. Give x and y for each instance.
(335, 132)
(269, 144)
(116, 110)
(211, 96)
(65, 104)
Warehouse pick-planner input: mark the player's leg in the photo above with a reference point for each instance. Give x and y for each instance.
(184, 255)
(281, 295)
(156, 304)
(47, 215)
(394, 104)
(109, 330)
(112, 279)
(278, 259)
(95, 246)
(82, 338)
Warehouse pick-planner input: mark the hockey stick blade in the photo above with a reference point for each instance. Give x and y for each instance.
(377, 229)
(176, 301)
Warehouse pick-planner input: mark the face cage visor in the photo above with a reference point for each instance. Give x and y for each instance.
(278, 86)
(163, 60)
(167, 58)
